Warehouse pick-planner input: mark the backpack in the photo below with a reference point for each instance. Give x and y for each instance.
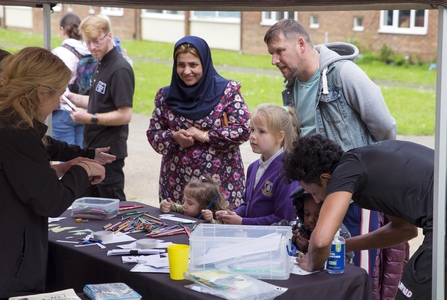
(84, 72)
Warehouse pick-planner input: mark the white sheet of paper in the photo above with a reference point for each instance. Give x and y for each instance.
(119, 238)
(157, 261)
(148, 269)
(176, 219)
(161, 244)
(55, 219)
(298, 271)
(140, 251)
(154, 261)
(133, 259)
(69, 106)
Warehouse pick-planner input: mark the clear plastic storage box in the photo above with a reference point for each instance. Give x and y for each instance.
(95, 208)
(258, 251)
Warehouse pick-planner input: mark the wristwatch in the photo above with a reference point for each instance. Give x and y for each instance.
(94, 119)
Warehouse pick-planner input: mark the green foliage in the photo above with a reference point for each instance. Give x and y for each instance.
(413, 109)
(399, 60)
(368, 57)
(408, 91)
(386, 54)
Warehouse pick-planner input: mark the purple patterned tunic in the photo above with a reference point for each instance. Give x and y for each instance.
(220, 158)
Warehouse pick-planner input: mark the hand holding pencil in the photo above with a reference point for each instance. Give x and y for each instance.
(207, 215)
(166, 205)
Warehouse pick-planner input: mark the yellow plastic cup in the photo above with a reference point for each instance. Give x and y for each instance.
(178, 256)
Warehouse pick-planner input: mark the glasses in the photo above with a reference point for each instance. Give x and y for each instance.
(95, 42)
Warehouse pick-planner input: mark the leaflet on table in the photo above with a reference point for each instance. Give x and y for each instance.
(148, 269)
(155, 261)
(299, 271)
(63, 294)
(117, 238)
(133, 245)
(148, 264)
(134, 251)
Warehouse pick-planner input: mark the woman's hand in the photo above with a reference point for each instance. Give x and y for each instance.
(96, 172)
(183, 138)
(199, 135)
(62, 168)
(102, 157)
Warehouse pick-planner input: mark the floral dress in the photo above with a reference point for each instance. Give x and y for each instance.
(221, 157)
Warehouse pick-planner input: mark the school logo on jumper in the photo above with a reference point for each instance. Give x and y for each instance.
(101, 87)
(267, 190)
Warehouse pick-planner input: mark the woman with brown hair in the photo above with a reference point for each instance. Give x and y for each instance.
(31, 83)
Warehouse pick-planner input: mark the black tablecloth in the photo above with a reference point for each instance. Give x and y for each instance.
(72, 267)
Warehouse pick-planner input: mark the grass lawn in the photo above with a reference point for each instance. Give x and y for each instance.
(408, 91)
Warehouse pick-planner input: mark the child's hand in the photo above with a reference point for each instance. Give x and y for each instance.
(294, 234)
(166, 205)
(230, 217)
(301, 243)
(219, 215)
(207, 215)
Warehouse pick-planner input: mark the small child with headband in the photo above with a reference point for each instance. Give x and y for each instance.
(198, 194)
(267, 195)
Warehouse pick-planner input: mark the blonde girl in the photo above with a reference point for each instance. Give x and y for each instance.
(267, 196)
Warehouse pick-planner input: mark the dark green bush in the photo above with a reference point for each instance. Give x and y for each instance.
(386, 54)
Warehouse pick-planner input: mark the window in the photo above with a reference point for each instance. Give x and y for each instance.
(358, 24)
(220, 16)
(313, 22)
(91, 10)
(112, 11)
(271, 17)
(404, 21)
(163, 14)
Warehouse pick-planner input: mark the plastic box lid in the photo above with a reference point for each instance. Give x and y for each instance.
(258, 251)
(95, 208)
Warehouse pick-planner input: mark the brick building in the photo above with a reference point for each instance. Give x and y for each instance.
(405, 32)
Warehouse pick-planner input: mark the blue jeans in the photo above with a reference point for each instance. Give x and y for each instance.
(65, 129)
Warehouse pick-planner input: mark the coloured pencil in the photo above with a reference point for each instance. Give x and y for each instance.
(209, 205)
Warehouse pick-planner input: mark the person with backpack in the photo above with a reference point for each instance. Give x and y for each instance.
(81, 63)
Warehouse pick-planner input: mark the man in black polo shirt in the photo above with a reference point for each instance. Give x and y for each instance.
(109, 104)
(393, 177)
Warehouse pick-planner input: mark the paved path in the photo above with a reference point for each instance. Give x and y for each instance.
(143, 165)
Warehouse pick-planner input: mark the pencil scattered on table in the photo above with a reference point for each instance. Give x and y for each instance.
(142, 221)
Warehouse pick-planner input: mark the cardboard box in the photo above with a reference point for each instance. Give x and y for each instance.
(95, 208)
(258, 251)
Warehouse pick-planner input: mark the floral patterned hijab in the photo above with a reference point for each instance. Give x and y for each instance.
(197, 101)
